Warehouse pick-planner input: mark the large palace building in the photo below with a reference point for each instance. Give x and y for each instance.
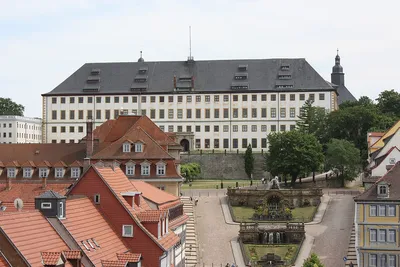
(215, 104)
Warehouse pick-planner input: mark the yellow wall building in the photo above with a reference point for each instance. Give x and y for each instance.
(377, 222)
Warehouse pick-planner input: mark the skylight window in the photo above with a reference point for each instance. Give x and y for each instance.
(90, 243)
(83, 243)
(95, 242)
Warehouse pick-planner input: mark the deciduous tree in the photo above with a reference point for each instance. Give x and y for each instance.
(291, 153)
(389, 103)
(8, 107)
(190, 171)
(312, 261)
(344, 158)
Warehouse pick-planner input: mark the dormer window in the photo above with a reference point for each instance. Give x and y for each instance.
(43, 172)
(11, 172)
(59, 172)
(75, 172)
(145, 168)
(27, 173)
(126, 147)
(383, 190)
(138, 147)
(161, 168)
(130, 168)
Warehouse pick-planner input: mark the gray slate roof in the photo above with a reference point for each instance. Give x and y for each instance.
(50, 194)
(344, 94)
(209, 76)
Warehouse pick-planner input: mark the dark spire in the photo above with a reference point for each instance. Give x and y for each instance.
(337, 76)
(337, 68)
(141, 58)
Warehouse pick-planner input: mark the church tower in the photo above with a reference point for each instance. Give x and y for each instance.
(337, 76)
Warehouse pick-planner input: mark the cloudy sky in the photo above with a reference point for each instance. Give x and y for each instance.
(42, 42)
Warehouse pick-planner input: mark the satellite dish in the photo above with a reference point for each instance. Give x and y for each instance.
(18, 204)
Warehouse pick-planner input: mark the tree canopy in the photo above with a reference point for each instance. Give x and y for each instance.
(8, 107)
(312, 261)
(190, 171)
(312, 120)
(344, 158)
(292, 153)
(249, 161)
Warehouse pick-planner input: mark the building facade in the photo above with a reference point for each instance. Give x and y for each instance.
(219, 104)
(18, 129)
(377, 217)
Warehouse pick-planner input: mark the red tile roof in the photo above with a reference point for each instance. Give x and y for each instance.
(117, 263)
(178, 221)
(76, 163)
(150, 216)
(152, 193)
(28, 163)
(50, 258)
(31, 234)
(60, 164)
(28, 191)
(72, 254)
(130, 257)
(12, 163)
(376, 134)
(119, 183)
(44, 164)
(3, 261)
(84, 222)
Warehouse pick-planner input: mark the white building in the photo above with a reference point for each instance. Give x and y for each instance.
(219, 104)
(18, 129)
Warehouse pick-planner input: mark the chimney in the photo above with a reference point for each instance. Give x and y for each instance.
(174, 81)
(137, 199)
(44, 182)
(89, 138)
(8, 183)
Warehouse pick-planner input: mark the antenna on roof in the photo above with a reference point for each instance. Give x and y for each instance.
(190, 58)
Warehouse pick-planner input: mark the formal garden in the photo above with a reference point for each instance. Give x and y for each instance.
(286, 252)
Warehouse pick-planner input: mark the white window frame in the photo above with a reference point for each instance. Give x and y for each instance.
(127, 226)
(61, 210)
(43, 172)
(138, 147)
(373, 211)
(391, 236)
(145, 169)
(391, 210)
(45, 205)
(59, 172)
(373, 235)
(26, 174)
(382, 233)
(161, 169)
(381, 210)
(96, 199)
(373, 260)
(126, 147)
(11, 172)
(130, 170)
(385, 189)
(75, 172)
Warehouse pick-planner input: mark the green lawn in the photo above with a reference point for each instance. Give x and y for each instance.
(246, 213)
(212, 184)
(255, 252)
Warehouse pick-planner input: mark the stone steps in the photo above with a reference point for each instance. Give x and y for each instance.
(351, 251)
(191, 248)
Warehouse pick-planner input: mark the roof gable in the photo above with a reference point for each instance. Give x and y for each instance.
(391, 141)
(152, 193)
(379, 143)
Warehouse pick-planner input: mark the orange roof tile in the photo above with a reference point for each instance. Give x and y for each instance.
(178, 221)
(129, 257)
(119, 183)
(76, 163)
(31, 233)
(3, 261)
(44, 163)
(169, 205)
(50, 258)
(11, 208)
(28, 191)
(118, 263)
(84, 222)
(28, 163)
(12, 163)
(376, 134)
(60, 164)
(152, 193)
(72, 254)
(150, 216)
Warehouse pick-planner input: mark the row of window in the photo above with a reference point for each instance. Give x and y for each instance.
(44, 172)
(225, 128)
(63, 129)
(384, 260)
(145, 169)
(225, 143)
(382, 210)
(179, 99)
(199, 113)
(22, 135)
(22, 126)
(382, 235)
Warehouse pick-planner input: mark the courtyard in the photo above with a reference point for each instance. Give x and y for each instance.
(215, 232)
